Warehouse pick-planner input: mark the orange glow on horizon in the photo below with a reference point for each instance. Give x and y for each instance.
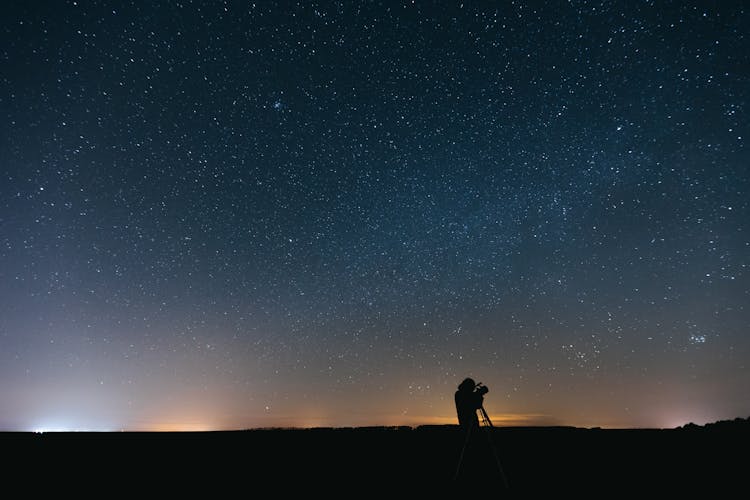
(218, 418)
(498, 420)
(180, 427)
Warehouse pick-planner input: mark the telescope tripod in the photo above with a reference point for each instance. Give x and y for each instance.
(484, 422)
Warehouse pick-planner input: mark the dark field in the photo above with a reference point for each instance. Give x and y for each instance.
(383, 463)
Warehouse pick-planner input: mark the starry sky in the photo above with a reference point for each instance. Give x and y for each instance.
(231, 215)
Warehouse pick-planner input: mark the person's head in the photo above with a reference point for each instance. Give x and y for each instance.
(467, 385)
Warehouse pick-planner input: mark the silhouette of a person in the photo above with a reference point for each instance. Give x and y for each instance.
(468, 401)
(469, 398)
(475, 462)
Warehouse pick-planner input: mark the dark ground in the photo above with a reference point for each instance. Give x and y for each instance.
(537, 462)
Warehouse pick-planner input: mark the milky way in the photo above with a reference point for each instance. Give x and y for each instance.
(223, 215)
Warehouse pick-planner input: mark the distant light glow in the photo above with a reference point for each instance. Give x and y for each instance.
(49, 429)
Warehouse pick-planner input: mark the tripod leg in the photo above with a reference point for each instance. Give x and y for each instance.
(497, 459)
(463, 450)
(488, 428)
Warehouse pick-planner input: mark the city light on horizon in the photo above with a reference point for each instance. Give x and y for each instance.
(215, 420)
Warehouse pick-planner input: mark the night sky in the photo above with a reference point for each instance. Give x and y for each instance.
(230, 215)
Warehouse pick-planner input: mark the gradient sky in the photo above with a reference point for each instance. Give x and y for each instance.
(229, 215)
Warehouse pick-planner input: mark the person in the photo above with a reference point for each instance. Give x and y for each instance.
(469, 398)
(472, 461)
(476, 454)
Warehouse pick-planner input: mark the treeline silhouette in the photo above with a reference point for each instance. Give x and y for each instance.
(729, 425)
